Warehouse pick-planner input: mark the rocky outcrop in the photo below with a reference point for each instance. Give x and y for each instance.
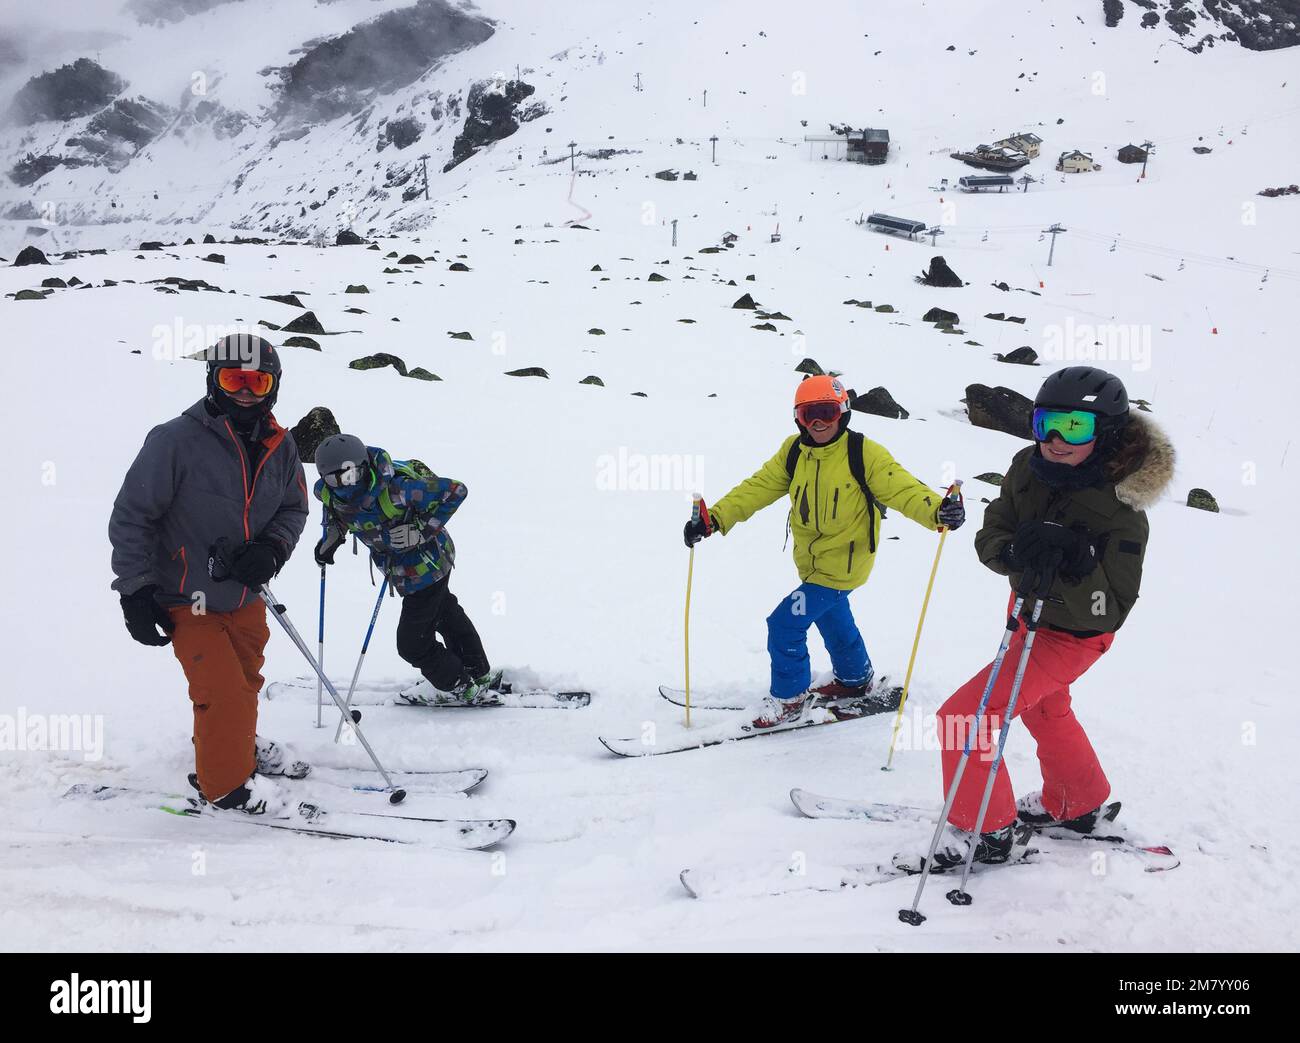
(30, 255)
(401, 133)
(343, 74)
(492, 113)
(68, 92)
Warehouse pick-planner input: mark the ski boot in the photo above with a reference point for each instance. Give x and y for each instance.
(1031, 811)
(776, 711)
(836, 691)
(258, 795)
(993, 848)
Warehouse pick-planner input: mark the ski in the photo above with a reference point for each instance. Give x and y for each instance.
(313, 820)
(883, 692)
(735, 731)
(507, 695)
(424, 694)
(1157, 858)
(766, 881)
(425, 783)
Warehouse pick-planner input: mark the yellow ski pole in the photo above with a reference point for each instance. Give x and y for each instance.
(953, 493)
(697, 509)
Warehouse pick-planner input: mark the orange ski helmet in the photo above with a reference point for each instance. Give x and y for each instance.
(820, 398)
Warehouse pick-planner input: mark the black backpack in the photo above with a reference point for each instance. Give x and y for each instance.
(858, 468)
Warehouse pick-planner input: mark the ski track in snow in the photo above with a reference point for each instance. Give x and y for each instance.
(576, 584)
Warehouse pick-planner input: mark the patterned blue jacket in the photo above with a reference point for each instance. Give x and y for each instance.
(399, 493)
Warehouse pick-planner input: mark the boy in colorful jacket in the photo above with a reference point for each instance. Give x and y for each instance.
(401, 517)
(835, 516)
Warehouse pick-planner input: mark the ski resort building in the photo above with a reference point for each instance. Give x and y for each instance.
(984, 182)
(1022, 141)
(895, 225)
(1076, 162)
(870, 146)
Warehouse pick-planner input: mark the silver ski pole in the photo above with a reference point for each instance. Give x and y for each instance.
(395, 795)
(913, 916)
(365, 645)
(959, 896)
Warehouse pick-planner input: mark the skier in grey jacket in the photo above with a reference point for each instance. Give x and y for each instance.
(222, 470)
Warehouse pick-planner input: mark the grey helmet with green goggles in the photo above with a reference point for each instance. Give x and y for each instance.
(1080, 404)
(343, 462)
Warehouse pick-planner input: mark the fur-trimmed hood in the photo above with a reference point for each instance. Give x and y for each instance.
(1143, 487)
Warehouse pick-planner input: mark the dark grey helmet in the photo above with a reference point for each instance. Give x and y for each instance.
(1084, 387)
(343, 458)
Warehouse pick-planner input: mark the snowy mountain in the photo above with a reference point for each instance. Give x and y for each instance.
(526, 274)
(303, 116)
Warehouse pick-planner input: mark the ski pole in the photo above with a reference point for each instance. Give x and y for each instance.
(698, 510)
(395, 795)
(320, 651)
(959, 895)
(365, 645)
(912, 916)
(953, 493)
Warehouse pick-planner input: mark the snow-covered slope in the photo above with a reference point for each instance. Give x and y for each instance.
(569, 552)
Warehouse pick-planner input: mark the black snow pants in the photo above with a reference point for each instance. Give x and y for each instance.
(432, 613)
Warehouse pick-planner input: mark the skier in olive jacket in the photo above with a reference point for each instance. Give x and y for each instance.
(836, 481)
(1074, 502)
(222, 470)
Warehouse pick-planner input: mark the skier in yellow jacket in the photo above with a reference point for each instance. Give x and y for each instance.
(838, 483)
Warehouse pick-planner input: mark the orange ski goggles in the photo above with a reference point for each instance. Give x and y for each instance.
(234, 379)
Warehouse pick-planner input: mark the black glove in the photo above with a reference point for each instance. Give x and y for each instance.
(144, 616)
(254, 563)
(952, 513)
(698, 528)
(329, 543)
(1041, 544)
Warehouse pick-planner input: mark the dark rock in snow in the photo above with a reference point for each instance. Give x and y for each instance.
(302, 342)
(462, 335)
(305, 323)
(810, 367)
(420, 373)
(284, 298)
(745, 301)
(528, 371)
(999, 409)
(1025, 356)
(881, 403)
(216, 258)
(656, 277)
(29, 255)
(940, 315)
(54, 282)
(357, 288)
(378, 361)
(1202, 500)
(29, 295)
(991, 477)
(458, 266)
(309, 432)
(593, 379)
(347, 237)
(403, 133)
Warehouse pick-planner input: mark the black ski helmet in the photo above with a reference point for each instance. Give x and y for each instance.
(1083, 387)
(341, 451)
(242, 351)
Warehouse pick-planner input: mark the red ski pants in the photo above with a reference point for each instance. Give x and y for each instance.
(1073, 782)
